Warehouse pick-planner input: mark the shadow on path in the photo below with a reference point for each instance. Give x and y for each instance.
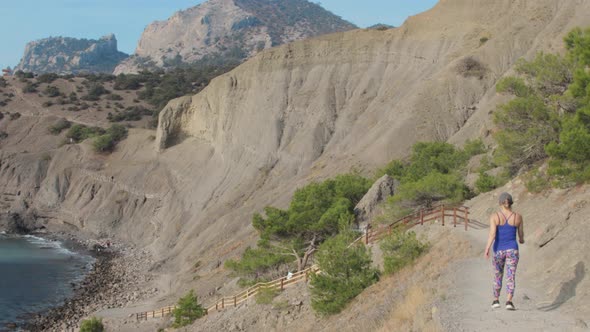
(568, 289)
(477, 224)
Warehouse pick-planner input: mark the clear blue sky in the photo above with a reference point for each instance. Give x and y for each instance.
(22, 21)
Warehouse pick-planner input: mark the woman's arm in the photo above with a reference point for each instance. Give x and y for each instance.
(520, 229)
(491, 236)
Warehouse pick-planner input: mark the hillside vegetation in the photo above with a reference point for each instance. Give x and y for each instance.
(549, 117)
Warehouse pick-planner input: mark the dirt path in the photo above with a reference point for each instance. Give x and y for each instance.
(467, 305)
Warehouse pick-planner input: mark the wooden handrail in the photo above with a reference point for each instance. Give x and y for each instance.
(372, 235)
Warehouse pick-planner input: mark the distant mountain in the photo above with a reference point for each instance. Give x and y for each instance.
(64, 55)
(234, 29)
(381, 26)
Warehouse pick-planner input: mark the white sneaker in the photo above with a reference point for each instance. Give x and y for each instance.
(509, 306)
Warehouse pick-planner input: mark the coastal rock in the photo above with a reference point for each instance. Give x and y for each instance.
(64, 55)
(368, 206)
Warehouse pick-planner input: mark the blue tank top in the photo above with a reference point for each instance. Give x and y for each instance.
(505, 236)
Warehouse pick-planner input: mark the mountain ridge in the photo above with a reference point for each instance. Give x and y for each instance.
(66, 55)
(236, 28)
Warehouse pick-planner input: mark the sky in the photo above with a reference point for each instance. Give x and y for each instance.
(22, 21)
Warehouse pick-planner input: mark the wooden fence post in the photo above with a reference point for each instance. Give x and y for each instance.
(466, 217)
(454, 217)
(235, 300)
(421, 217)
(282, 283)
(442, 209)
(222, 302)
(367, 233)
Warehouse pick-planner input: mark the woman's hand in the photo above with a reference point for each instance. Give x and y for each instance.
(486, 253)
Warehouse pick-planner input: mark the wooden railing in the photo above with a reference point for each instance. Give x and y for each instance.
(454, 215)
(233, 301)
(450, 214)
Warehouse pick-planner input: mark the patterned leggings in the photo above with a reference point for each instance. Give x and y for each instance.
(510, 259)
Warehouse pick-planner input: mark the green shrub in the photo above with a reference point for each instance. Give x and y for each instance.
(77, 133)
(132, 113)
(187, 310)
(474, 147)
(91, 325)
(430, 189)
(59, 126)
(127, 82)
(47, 78)
(536, 182)
(114, 96)
(515, 86)
(548, 74)
(485, 183)
(266, 295)
(483, 40)
(108, 141)
(400, 249)
(103, 143)
(345, 272)
(256, 262)
(317, 212)
(95, 91)
(526, 126)
(30, 88)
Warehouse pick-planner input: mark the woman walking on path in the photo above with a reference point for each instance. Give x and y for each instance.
(504, 225)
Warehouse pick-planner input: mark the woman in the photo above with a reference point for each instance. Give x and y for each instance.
(504, 225)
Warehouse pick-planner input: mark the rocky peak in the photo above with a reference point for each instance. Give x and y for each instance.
(67, 55)
(235, 29)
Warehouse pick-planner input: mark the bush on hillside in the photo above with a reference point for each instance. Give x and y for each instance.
(95, 91)
(471, 67)
(91, 325)
(400, 249)
(433, 173)
(317, 212)
(108, 141)
(485, 183)
(59, 126)
(187, 310)
(132, 113)
(77, 133)
(47, 78)
(345, 272)
(127, 82)
(30, 88)
(526, 125)
(265, 295)
(52, 91)
(552, 119)
(474, 147)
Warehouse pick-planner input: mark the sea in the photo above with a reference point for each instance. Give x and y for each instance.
(35, 275)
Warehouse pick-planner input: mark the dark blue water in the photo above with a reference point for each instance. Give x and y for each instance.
(35, 275)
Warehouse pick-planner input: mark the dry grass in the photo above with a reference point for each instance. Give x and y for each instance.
(421, 286)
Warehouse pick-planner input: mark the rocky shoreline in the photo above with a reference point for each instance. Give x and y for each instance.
(116, 279)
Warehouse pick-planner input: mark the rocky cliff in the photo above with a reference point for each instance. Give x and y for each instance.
(229, 28)
(65, 55)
